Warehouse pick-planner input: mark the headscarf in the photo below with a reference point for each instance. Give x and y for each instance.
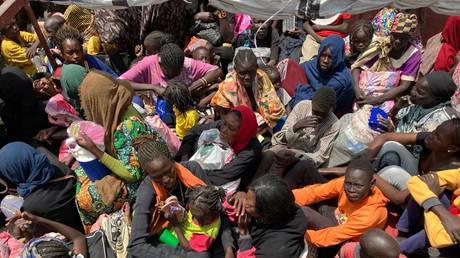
(338, 77)
(81, 19)
(25, 167)
(441, 85)
(71, 77)
(404, 23)
(450, 45)
(104, 101)
(247, 130)
(383, 21)
(23, 115)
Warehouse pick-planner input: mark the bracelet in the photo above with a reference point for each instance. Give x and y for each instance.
(204, 81)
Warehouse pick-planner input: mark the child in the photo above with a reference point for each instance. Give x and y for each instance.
(360, 38)
(187, 116)
(202, 54)
(275, 78)
(202, 221)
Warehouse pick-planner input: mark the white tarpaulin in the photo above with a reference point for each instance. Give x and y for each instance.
(287, 8)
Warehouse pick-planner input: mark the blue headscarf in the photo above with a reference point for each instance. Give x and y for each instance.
(338, 77)
(25, 167)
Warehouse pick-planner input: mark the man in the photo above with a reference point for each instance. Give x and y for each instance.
(310, 128)
(361, 206)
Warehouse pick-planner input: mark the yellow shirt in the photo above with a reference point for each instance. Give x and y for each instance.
(435, 231)
(93, 46)
(185, 122)
(15, 55)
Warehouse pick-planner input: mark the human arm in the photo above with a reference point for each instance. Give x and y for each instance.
(77, 238)
(159, 90)
(392, 94)
(337, 171)
(318, 192)
(32, 50)
(182, 240)
(308, 28)
(246, 248)
(380, 140)
(324, 147)
(289, 127)
(203, 74)
(394, 195)
(355, 74)
(274, 47)
(343, 27)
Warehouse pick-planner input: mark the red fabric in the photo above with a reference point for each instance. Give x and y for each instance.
(200, 242)
(247, 130)
(453, 209)
(340, 19)
(451, 45)
(251, 253)
(295, 75)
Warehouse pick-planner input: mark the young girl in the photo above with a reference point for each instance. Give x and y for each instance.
(202, 222)
(360, 38)
(187, 116)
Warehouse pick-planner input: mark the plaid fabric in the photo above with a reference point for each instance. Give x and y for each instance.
(404, 23)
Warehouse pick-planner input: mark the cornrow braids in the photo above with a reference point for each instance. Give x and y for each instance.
(208, 198)
(172, 56)
(364, 26)
(67, 33)
(148, 148)
(245, 56)
(178, 95)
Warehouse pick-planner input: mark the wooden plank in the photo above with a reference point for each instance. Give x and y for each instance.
(8, 11)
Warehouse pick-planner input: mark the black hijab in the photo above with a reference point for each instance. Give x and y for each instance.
(23, 115)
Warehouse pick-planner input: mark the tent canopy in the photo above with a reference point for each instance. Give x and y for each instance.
(288, 8)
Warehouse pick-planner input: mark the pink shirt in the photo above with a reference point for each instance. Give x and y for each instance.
(148, 71)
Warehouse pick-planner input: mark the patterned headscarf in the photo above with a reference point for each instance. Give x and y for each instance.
(383, 21)
(404, 23)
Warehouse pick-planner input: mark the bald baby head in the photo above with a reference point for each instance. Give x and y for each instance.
(375, 243)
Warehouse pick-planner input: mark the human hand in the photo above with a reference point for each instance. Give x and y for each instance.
(432, 181)
(31, 51)
(387, 123)
(310, 121)
(237, 200)
(243, 224)
(401, 103)
(139, 50)
(451, 224)
(204, 16)
(370, 100)
(87, 143)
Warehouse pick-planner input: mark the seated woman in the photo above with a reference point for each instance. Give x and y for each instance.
(14, 47)
(42, 181)
(441, 49)
(271, 224)
(430, 104)
(266, 37)
(238, 129)
(250, 87)
(433, 151)
(164, 178)
(23, 115)
(389, 66)
(71, 77)
(361, 206)
(328, 69)
(107, 102)
(70, 44)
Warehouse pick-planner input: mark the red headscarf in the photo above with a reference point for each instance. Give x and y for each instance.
(247, 130)
(451, 45)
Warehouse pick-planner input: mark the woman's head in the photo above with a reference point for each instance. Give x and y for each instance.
(11, 30)
(72, 76)
(445, 138)
(433, 89)
(205, 203)
(331, 54)
(274, 75)
(45, 88)
(260, 27)
(403, 26)
(155, 40)
(171, 60)
(361, 35)
(70, 43)
(245, 67)
(359, 180)
(269, 199)
(178, 95)
(239, 127)
(230, 127)
(162, 170)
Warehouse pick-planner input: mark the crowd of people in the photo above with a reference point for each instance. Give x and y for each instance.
(182, 130)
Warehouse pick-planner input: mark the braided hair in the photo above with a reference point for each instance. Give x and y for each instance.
(245, 56)
(206, 198)
(67, 33)
(172, 56)
(364, 26)
(178, 95)
(150, 147)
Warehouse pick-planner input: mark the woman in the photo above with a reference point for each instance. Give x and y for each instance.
(389, 66)
(328, 69)
(42, 181)
(23, 115)
(71, 77)
(441, 50)
(107, 102)
(70, 43)
(272, 226)
(238, 129)
(164, 178)
(250, 87)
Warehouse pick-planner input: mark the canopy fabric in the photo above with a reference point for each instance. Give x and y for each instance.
(266, 8)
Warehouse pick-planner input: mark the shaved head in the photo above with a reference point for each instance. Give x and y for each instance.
(375, 243)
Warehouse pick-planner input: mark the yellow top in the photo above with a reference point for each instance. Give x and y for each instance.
(14, 53)
(93, 46)
(185, 121)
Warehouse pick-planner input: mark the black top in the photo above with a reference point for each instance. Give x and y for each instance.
(243, 165)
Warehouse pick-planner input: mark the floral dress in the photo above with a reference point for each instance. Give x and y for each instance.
(89, 202)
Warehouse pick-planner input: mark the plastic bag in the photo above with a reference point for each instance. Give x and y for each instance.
(212, 152)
